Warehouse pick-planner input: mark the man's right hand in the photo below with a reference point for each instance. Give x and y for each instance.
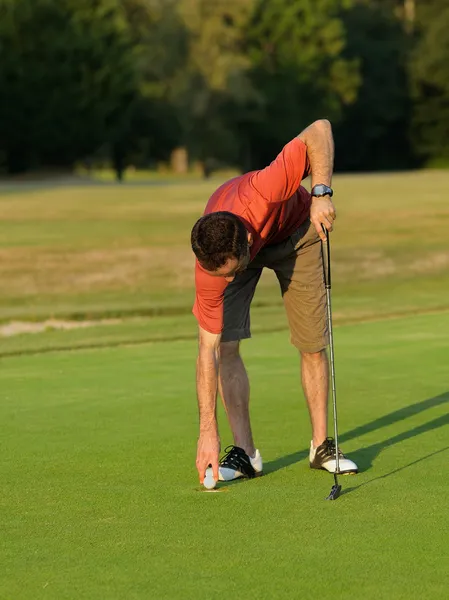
(208, 451)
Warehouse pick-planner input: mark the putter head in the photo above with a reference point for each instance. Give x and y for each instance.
(335, 492)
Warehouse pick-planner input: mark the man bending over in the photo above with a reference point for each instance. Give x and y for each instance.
(264, 219)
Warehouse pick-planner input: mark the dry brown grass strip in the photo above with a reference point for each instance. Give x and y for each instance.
(25, 271)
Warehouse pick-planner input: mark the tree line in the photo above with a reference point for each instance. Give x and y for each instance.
(228, 80)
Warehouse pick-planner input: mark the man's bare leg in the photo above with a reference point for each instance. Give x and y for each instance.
(315, 383)
(234, 390)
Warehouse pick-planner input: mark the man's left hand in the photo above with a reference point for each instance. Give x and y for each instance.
(322, 212)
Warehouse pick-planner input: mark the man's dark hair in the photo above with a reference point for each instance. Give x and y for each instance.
(218, 236)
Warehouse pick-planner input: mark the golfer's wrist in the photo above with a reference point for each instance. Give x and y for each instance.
(325, 197)
(209, 429)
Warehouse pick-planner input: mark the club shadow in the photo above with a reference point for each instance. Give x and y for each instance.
(356, 487)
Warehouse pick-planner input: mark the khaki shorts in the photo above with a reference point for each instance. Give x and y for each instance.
(298, 264)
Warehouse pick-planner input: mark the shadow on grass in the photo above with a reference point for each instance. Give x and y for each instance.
(365, 456)
(356, 487)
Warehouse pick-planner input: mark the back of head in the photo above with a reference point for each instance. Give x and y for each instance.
(216, 237)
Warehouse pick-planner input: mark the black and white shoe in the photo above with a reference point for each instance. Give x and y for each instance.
(236, 463)
(323, 457)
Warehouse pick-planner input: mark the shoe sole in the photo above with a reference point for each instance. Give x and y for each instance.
(331, 472)
(259, 474)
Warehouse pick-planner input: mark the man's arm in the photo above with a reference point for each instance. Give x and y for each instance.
(320, 152)
(206, 385)
(312, 151)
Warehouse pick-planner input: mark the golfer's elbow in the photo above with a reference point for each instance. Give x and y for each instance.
(208, 341)
(316, 131)
(323, 126)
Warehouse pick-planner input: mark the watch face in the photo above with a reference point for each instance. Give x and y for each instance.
(322, 190)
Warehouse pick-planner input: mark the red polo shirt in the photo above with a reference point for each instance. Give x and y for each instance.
(271, 204)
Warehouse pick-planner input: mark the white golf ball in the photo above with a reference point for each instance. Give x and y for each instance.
(209, 481)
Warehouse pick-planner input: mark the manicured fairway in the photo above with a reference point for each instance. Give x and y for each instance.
(99, 497)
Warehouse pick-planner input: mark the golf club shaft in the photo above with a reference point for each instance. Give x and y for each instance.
(327, 281)
(334, 391)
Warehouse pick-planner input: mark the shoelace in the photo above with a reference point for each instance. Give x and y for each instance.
(330, 448)
(231, 456)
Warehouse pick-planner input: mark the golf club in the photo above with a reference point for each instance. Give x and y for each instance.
(336, 488)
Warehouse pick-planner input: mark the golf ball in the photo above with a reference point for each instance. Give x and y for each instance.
(209, 481)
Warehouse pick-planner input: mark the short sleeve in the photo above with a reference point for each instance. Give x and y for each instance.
(208, 307)
(280, 180)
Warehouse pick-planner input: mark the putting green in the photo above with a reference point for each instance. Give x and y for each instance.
(100, 497)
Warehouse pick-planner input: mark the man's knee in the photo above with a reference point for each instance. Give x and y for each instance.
(314, 356)
(229, 351)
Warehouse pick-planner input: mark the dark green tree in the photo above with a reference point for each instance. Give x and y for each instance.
(430, 77)
(215, 85)
(160, 47)
(299, 71)
(374, 131)
(67, 78)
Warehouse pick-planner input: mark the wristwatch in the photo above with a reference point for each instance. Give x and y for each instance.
(322, 190)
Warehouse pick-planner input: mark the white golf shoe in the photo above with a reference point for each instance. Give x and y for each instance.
(323, 457)
(236, 463)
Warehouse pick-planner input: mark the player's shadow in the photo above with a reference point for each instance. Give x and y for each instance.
(364, 457)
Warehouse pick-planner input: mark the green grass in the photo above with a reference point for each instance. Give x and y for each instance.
(108, 250)
(100, 498)
(99, 491)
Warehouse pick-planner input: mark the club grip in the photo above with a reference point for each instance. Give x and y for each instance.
(327, 262)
